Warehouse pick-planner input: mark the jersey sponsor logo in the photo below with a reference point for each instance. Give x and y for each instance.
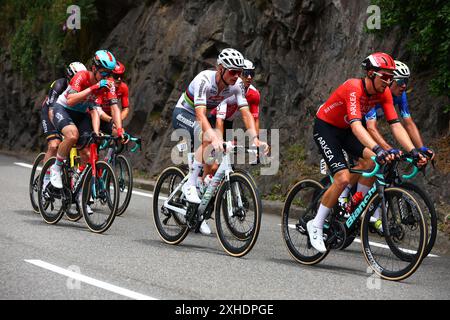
(353, 103)
(186, 121)
(59, 116)
(331, 107)
(326, 150)
(201, 88)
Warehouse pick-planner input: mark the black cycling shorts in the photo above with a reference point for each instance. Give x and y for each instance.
(228, 125)
(50, 131)
(331, 140)
(106, 127)
(183, 119)
(63, 117)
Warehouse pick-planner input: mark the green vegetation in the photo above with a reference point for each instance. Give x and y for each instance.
(427, 23)
(33, 33)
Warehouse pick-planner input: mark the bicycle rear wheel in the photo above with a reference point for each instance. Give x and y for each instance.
(300, 207)
(34, 180)
(238, 228)
(171, 225)
(124, 176)
(52, 202)
(398, 255)
(101, 193)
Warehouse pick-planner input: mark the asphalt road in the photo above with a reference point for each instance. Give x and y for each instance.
(129, 261)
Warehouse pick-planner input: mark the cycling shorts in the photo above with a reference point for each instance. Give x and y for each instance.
(183, 119)
(106, 127)
(228, 125)
(50, 131)
(63, 117)
(332, 140)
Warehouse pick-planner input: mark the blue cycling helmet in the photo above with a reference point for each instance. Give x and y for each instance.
(104, 59)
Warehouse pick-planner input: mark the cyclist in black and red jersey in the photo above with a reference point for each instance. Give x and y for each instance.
(74, 114)
(338, 126)
(51, 134)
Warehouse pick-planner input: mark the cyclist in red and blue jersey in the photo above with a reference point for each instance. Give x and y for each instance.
(74, 114)
(338, 126)
(398, 89)
(106, 110)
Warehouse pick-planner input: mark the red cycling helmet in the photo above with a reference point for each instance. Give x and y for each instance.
(377, 61)
(119, 69)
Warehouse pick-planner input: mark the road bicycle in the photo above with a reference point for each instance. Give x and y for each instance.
(96, 185)
(394, 254)
(233, 197)
(395, 178)
(122, 168)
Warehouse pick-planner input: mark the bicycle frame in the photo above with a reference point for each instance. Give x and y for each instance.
(222, 173)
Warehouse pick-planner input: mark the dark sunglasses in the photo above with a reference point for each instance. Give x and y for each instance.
(247, 73)
(234, 72)
(104, 73)
(117, 76)
(386, 77)
(403, 81)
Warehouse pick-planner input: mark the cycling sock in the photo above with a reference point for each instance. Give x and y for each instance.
(196, 168)
(362, 188)
(346, 191)
(59, 161)
(377, 213)
(322, 214)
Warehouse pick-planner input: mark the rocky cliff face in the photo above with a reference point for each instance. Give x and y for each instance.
(302, 49)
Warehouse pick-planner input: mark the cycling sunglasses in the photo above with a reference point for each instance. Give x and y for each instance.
(247, 73)
(234, 72)
(104, 73)
(385, 77)
(402, 81)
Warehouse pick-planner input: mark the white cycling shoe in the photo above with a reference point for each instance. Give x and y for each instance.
(204, 228)
(55, 177)
(316, 237)
(190, 192)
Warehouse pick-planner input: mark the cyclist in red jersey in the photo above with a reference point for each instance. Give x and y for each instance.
(108, 111)
(74, 114)
(338, 126)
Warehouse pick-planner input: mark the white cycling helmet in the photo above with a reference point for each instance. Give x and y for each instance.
(73, 68)
(248, 65)
(401, 70)
(231, 59)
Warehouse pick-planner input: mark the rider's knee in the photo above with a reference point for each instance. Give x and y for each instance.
(342, 178)
(365, 164)
(72, 135)
(52, 145)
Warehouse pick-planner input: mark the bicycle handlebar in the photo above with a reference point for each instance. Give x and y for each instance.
(374, 171)
(413, 173)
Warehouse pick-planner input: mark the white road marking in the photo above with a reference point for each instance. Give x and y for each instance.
(376, 244)
(91, 281)
(26, 165)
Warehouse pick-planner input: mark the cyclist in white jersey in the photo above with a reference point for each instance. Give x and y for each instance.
(205, 92)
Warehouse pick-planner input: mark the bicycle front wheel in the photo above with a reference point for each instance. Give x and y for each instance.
(124, 176)
(238, 211)
(101, 194)
(34, 180)
(398, 255)
(300, 207)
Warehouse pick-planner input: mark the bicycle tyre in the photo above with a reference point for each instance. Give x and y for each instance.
(180, 228)
(124, 167)
(53, 195)
(34, 180)
(251, 235)
(368, 246)
(288, 217)
(86, 195)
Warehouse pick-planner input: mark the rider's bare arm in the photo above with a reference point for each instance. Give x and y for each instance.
(402, 136)
(376, 135)
(95, 118)
(361, 133)
(413, 132)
